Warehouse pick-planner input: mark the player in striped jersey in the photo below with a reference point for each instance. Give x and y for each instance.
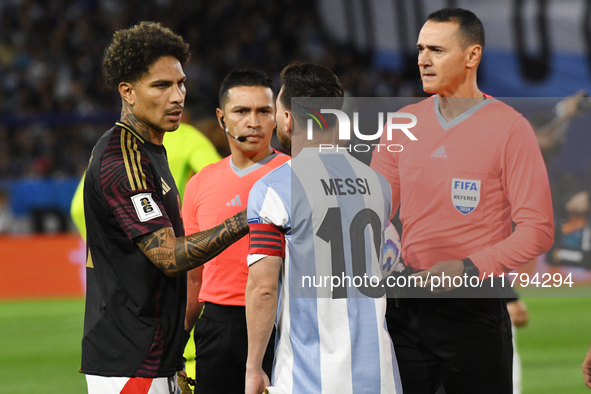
(319, 215)
(137, 255)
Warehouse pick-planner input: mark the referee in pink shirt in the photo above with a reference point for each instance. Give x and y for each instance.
(475, 168)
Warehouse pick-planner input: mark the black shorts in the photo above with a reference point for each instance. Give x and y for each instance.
(221, 346)
(462, 344)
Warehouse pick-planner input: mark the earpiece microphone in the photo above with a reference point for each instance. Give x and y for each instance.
(239, 139)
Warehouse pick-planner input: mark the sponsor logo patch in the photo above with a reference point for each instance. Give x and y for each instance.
(465, 194)
(145, 207)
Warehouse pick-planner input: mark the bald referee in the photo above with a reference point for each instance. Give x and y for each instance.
(475, 168)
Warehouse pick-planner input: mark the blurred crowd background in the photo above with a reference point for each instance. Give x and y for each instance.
(51, 56)
(54, 104)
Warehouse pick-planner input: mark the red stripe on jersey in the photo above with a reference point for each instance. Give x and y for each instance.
(137, 385)
(266, 239)
(151, 363)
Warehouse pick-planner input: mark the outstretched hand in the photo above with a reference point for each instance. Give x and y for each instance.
(518, 313)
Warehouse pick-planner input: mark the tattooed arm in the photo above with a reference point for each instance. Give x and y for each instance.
(177, 255)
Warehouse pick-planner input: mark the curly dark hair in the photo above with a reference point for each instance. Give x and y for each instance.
(134, 50)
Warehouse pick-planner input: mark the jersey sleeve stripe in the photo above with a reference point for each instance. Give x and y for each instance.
(132, 157)
(261, 239)
(126, 127)
(126, 160)
(275, 247)
(254, 232)
(139, 164)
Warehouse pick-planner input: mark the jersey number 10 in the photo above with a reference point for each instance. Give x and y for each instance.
(331, 231)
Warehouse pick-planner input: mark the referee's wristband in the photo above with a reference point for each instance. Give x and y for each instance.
(470, 269)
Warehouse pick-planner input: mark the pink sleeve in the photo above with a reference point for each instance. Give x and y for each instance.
(190, 221)
(527, 190)
(385, 163)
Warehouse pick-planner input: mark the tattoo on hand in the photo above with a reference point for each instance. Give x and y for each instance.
(176, 255)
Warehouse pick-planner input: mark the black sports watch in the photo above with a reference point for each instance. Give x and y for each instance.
(470, 269)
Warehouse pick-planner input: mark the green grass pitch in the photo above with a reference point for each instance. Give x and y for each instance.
(553, 345)
(40, 346)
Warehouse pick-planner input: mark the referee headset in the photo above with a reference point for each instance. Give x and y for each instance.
(239, 139)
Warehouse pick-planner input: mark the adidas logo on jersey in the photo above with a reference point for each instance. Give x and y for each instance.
(235, 201)
(165, 187)
(439, 153)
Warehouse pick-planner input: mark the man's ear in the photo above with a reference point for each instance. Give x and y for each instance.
(127, 92)
(289, 122)
(474, 56)
(219, 113)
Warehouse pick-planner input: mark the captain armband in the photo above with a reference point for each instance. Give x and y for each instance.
(266, 239)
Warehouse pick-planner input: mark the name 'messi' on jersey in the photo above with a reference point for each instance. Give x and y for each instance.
(347, 186)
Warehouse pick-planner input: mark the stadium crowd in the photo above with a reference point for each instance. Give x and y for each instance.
(54, 105)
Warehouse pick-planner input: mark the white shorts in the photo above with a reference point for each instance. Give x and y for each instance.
(116, 385)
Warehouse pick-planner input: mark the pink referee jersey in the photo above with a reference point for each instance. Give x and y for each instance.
(214, 194)
(461, 184)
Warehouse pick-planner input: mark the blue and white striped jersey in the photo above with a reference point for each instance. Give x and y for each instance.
(330, 338)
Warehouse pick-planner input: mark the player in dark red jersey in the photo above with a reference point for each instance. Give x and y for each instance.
(137, 254)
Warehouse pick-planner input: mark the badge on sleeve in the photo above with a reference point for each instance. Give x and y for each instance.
(145, 207)
(465, 194)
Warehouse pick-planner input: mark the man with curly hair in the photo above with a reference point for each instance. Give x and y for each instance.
(137, 254)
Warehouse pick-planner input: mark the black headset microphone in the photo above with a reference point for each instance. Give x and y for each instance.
(239, 139)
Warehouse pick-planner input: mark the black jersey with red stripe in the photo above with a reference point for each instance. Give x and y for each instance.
(134, 318)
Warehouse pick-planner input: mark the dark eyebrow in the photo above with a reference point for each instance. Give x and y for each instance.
(162, 82)
(167, 81)
(237, 107)
(430, 47)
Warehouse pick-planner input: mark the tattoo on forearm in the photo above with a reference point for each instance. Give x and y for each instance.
(159, 247)
(177, 255)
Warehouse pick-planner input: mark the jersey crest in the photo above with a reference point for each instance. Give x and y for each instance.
(465, 194)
